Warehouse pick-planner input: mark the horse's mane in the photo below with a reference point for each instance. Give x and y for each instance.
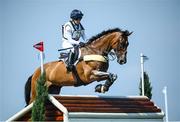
(103, 33)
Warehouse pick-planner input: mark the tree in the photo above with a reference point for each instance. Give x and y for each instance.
(38, 110)
(147, 86)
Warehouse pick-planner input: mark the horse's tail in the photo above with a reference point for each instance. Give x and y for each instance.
(27, 90)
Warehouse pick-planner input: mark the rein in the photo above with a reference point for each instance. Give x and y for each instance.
(65, 49)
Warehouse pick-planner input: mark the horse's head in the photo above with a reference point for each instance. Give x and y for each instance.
(112, 39)
(120, 44)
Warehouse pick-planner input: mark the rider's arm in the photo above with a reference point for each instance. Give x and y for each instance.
(83, 35)
(68, 35)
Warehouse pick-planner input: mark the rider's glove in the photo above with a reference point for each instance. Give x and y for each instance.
(81, 44)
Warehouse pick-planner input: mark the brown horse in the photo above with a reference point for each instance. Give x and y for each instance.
(92, 66)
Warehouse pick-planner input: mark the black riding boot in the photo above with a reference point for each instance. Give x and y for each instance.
(70, 61)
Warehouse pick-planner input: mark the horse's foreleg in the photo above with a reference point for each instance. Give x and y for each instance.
(109, 80)
(100, 73)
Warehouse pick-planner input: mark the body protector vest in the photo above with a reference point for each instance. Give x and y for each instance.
(72, 32)
(78, 31)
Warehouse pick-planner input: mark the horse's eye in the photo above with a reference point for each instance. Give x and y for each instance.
(123, 45)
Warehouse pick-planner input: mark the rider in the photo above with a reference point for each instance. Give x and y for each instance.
(71, 33)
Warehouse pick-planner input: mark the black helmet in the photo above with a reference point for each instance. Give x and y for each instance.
(76, 14)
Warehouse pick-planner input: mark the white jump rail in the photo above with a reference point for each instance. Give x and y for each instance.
(60, 107)
(20, 113)
(29, 107)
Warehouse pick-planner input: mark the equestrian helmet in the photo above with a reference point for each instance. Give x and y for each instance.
(76, 14)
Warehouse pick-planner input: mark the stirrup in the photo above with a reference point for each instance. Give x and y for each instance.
(63, 55)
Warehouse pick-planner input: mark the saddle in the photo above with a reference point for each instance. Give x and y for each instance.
(76, 55)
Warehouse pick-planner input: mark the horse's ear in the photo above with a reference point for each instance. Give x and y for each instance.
(130, 33)
(127, 33)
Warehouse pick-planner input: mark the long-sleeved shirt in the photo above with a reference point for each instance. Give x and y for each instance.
(71, 34)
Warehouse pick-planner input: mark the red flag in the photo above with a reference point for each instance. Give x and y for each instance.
(39, 46)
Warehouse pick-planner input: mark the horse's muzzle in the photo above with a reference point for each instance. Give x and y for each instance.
(121, 61)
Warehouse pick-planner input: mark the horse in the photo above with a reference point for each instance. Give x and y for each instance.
(91, 66)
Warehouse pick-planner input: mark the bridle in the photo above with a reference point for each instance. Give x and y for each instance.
(114, 53)
(121, 46)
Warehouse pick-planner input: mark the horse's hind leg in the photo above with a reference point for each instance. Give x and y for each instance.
(35, 77)
(110, 80)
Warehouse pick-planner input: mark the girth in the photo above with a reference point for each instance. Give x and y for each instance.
(78, 80)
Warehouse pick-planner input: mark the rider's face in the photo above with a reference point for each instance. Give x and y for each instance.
(77, 21)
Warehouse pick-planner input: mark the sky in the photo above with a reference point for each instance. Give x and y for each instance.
(155, 25)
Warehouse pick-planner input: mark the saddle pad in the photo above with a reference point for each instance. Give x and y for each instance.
(95, 58)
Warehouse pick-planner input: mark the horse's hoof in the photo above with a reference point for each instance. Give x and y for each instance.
(104, 89)
(98, 88)
(101, 88)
